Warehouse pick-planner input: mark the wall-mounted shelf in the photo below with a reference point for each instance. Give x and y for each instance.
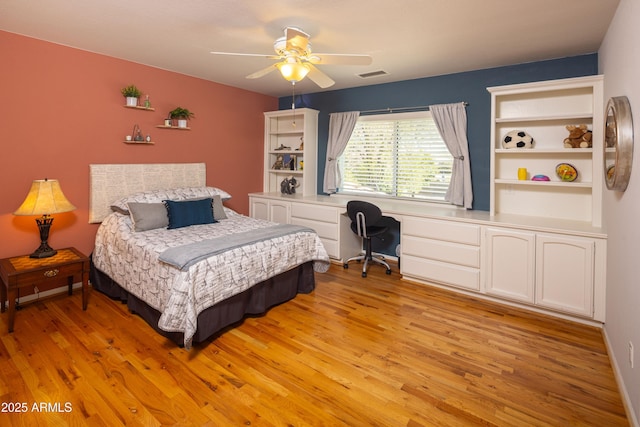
(139, 107)
(172, 127)
(139, 142)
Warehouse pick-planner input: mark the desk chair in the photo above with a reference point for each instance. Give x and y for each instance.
(364, 218)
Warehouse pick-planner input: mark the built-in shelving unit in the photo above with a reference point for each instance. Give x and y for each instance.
(543, 110)
(291, 135)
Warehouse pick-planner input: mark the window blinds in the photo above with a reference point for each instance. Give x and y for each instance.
(397, 155)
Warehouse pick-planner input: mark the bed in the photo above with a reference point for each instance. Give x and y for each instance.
(184, 262)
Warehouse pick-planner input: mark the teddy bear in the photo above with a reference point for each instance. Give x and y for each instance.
(610, 135)
(579, 137)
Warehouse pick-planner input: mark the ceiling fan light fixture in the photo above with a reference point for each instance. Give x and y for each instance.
(293, 71)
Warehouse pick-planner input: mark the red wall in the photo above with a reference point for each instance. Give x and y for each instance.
(61, 110)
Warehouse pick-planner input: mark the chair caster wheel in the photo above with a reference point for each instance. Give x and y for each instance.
(388, 272)
(364, 274)
(345, 265)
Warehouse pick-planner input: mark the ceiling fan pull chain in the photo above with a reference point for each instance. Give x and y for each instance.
(293, 102)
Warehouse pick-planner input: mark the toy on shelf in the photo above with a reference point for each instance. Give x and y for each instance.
(517, 139)
(566, 172)
(579, 137)
(540, 178)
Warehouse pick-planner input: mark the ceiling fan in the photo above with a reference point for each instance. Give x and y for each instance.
(296, 61)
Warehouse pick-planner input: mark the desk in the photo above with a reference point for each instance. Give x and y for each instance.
(22, 272)
(553, 266)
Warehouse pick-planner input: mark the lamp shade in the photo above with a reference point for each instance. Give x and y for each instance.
(293, 71)
(45, 197)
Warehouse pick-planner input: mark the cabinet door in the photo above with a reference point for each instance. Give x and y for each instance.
(510, 264)
(564, 273)
(259, 208)
(279, 211)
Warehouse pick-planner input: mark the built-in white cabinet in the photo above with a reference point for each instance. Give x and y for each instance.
(510, 269)
(441, 251)
(554, 271)
(290, 149)
(543, 110)
(259, 208)
(272, 210)
(540, 262)
(333, 227)
(329, 221)
(565, 273)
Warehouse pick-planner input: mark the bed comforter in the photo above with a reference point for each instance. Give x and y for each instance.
(132, 259)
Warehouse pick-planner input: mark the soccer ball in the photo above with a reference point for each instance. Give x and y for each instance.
(517, 139)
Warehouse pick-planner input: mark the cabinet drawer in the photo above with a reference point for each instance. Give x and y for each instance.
(324, 229)
(332, 247)
(438, 250)
(315, 212)
(449, 231)
(50, 275)
(448, 274)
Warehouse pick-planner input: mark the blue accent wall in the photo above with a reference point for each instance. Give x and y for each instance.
(468, 87)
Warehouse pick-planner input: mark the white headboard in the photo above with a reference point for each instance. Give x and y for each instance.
(108, 183)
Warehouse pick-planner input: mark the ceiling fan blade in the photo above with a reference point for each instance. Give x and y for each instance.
(296, 39)
(340, 59)
(260, 55)
(263, 72)
(318, 77)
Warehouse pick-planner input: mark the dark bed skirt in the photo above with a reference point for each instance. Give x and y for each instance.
(254, 301)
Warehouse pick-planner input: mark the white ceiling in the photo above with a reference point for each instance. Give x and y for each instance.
(407, 38)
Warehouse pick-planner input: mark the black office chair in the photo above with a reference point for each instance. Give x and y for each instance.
(364, 222)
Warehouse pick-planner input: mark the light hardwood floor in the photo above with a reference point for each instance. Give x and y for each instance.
(355, 352)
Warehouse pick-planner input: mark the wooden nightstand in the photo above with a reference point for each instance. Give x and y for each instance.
(67, 266)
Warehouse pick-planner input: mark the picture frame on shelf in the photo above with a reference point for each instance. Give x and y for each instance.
(289, 162)
(279, 163)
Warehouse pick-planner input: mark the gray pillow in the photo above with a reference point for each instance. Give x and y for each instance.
(218, 209)
(148, 216)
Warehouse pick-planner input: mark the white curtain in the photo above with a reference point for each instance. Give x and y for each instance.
(451, 121)
(340, 128)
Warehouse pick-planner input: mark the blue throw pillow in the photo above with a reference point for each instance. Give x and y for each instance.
(189, 212)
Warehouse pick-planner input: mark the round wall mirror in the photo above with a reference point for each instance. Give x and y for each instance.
(618, 143)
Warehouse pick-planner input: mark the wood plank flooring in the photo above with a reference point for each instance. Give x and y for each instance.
(373, 351)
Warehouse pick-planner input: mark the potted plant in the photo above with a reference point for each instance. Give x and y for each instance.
(132, 93)
(182, 115)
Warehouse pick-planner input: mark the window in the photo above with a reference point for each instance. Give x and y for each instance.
(396, 155)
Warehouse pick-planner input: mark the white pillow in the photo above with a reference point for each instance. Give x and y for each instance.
(157, 196)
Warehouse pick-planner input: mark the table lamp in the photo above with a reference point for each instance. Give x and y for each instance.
(45, 198)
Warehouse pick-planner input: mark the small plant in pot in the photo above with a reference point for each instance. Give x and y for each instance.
(182, 115)
(132, 93)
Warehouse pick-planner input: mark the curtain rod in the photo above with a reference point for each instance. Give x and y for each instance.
(392, 110)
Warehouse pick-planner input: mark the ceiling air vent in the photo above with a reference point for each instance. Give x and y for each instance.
(372, 74)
